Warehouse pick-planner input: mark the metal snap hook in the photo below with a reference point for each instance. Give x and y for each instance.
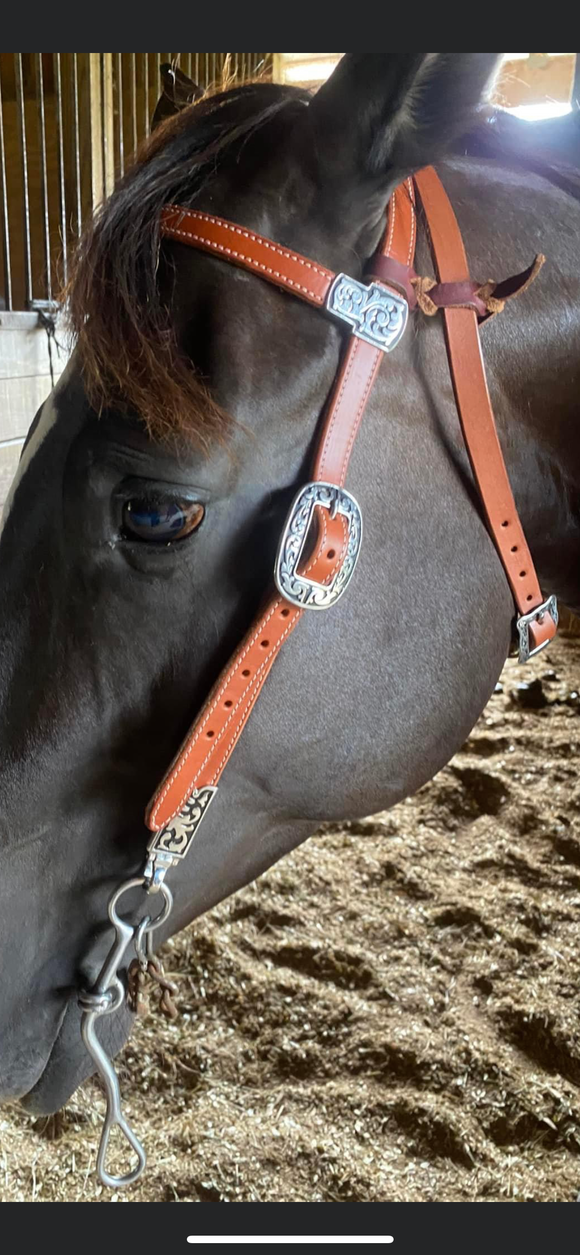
(128, 1178)
(107, 996)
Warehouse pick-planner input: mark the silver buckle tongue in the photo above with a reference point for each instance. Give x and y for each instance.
(373, 312)
(298, 589)
(535, 616)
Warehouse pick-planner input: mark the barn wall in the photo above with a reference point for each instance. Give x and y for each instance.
(25, 382)
(526, 78)
(89, 112)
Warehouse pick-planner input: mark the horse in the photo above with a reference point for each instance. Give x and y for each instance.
(140, 533)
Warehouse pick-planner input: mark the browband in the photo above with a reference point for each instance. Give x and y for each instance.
(376, 314)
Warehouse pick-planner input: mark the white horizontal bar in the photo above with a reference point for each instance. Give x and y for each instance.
(546, 109)
(204, 1240)
(309, 71)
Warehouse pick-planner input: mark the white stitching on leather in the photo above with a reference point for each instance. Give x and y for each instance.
(214, 745)
(347, 375)
(359, 414)
(256, 265)
(184, 754)
(409, 183)
(256, 239)
(255, 691)
(392, 227)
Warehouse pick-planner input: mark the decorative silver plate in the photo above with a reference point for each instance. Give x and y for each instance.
(299, 589)
(177, 836)
(373, 312)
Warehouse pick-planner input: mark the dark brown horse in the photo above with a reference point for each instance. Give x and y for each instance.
(141, 532)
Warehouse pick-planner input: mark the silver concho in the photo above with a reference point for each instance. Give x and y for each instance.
(373, 312)
(296, 588)
(176, 838)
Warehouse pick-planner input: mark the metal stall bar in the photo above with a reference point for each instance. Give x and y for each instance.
(120, 117)
(95, 129)
(107, 122)
(133, 57)
(5, 221)
(26, 194)
(147, 116)
(43, 181)
(77, 143)
(60, 149)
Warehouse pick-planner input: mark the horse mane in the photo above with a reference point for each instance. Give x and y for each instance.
(119, 295)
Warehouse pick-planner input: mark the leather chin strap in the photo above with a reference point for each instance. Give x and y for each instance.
(315, 577)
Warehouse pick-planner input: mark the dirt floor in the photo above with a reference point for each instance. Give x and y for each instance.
(392, 1013)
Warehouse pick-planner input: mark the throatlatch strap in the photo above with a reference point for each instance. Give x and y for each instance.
(476, 413)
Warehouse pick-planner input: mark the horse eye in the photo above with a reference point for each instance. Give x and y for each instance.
(161, 521)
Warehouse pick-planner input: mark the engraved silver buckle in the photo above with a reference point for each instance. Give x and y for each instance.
(373, 312)
(535, 616)
(305, 593)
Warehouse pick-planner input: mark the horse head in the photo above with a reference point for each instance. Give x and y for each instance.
(141, 530)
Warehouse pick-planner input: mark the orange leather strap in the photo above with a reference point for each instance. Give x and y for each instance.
(476, 414)
(244, 248)
(210, 742)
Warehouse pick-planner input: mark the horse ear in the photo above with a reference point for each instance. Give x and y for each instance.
(178, 91)
(382, 115)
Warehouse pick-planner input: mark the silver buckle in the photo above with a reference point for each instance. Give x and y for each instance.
(374, 313)
(305, 593)
(535, 616)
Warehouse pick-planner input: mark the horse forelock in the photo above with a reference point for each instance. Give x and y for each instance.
(119, 296)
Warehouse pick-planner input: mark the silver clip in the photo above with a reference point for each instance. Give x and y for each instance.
(106, 996)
